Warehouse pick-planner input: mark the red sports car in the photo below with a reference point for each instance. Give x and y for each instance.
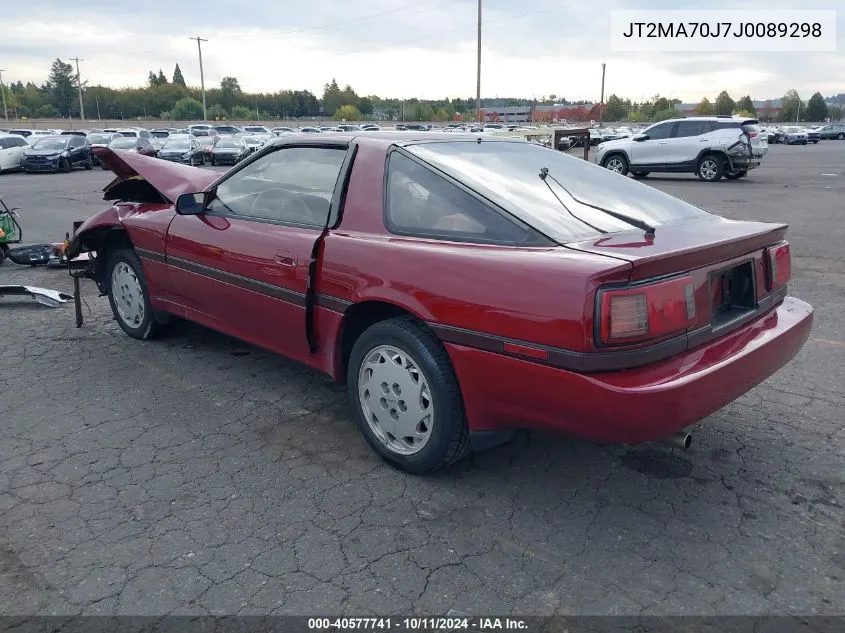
(461, 286)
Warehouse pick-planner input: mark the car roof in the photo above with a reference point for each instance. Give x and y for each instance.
(386, 138)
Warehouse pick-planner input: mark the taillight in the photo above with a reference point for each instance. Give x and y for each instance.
(646, 312)
(780, 265)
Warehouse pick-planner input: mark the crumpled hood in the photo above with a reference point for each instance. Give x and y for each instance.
(170, 179)
(43, 152)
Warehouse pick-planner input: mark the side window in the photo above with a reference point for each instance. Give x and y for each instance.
(76, 141)
(20, 141)
(293, 185)
(6, 143)
(692, 128)
(660, 131)
(423, 203)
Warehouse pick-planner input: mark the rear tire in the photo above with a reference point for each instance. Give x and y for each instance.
(639, 175)
(400, 358)
(128, 295)
(616, 163)
(710, 168)
(735, 175)
(840, 136)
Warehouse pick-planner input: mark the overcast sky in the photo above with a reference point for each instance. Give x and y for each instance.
(409, 48)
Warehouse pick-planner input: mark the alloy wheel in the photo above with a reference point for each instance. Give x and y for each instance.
(708, 169)
(615, 165)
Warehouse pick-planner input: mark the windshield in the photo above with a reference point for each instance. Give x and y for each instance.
(123, 143)
(507, 173)
(99, 139)
(57, 144)
(228, 145)
(251, 140)
(180, 145)
(252, 128)
(160, 134)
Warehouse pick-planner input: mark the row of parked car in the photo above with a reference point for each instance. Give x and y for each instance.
(797, 135)
(64, 150)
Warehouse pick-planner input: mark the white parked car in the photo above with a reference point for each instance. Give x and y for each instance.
(11, 151)
(257, 130)
(710, 147)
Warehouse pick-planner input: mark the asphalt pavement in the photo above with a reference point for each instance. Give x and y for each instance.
(199, 475)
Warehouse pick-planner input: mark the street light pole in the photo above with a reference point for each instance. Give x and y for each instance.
(79, 87)
(3, 90)
(478, 71)
(601, 107)
(202, 76)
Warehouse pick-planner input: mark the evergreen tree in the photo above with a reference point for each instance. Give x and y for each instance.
(178, 79)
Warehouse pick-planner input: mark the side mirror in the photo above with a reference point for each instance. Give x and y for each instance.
(190, 204)
(640, 137)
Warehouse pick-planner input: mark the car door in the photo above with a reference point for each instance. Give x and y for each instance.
(654, 149)
(242, 265)
(687, 140)
(7, 149)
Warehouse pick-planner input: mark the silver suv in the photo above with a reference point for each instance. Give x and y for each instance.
(709, 146)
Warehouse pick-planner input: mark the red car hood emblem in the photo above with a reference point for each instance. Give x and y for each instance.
(170, 179)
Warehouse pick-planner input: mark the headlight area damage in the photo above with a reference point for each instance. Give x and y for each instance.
(142, 194)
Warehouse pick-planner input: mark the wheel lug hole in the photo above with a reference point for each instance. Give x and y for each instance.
(397, 390)
(385, 388)
(383, 403)
(394, 414)
(402, 406)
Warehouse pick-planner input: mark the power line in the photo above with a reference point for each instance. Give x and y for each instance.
(79, 88)
(202, 76)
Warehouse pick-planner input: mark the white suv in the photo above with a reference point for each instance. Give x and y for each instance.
(710, 147)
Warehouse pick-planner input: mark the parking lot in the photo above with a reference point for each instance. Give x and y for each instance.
(196, 474)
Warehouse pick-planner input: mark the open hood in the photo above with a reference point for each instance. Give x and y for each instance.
(169, 179)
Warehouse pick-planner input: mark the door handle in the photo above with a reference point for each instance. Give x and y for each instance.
(286, 258)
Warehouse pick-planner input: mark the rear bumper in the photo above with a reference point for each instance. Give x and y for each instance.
(636, 405)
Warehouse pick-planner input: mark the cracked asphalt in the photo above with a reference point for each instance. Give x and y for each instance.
(198, 475)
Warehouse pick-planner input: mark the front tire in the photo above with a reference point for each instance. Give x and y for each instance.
(405, 396)
(735, 175)
(90, 164)
(840, 136)
(129, 296)
(639, 175)
(616, 163)
(710, 168)
(65, 166)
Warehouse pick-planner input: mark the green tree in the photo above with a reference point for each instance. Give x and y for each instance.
(615, 109)
(230, 92)
(669, 113)
(161, 78)
(746, 105)
(661, 103)
(724, 104)
(705, 107)
(186, 109)
(834, 112)
(217, 112)
(348, 112)
(365, 105)
(332, 97)
(790, 104)
(242, 113)
(47, 111)
(816, 108)
(61, 86)
(178, 79)
(152, 80)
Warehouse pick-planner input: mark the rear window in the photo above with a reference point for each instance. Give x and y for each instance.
(751, 127)
(507, 174)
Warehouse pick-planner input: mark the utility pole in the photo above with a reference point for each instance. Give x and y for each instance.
(79, 87)
(478, 71)
(3, 90)
(601, 110)
(202, 76)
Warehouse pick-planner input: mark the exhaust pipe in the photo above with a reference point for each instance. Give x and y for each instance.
(682, 440)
